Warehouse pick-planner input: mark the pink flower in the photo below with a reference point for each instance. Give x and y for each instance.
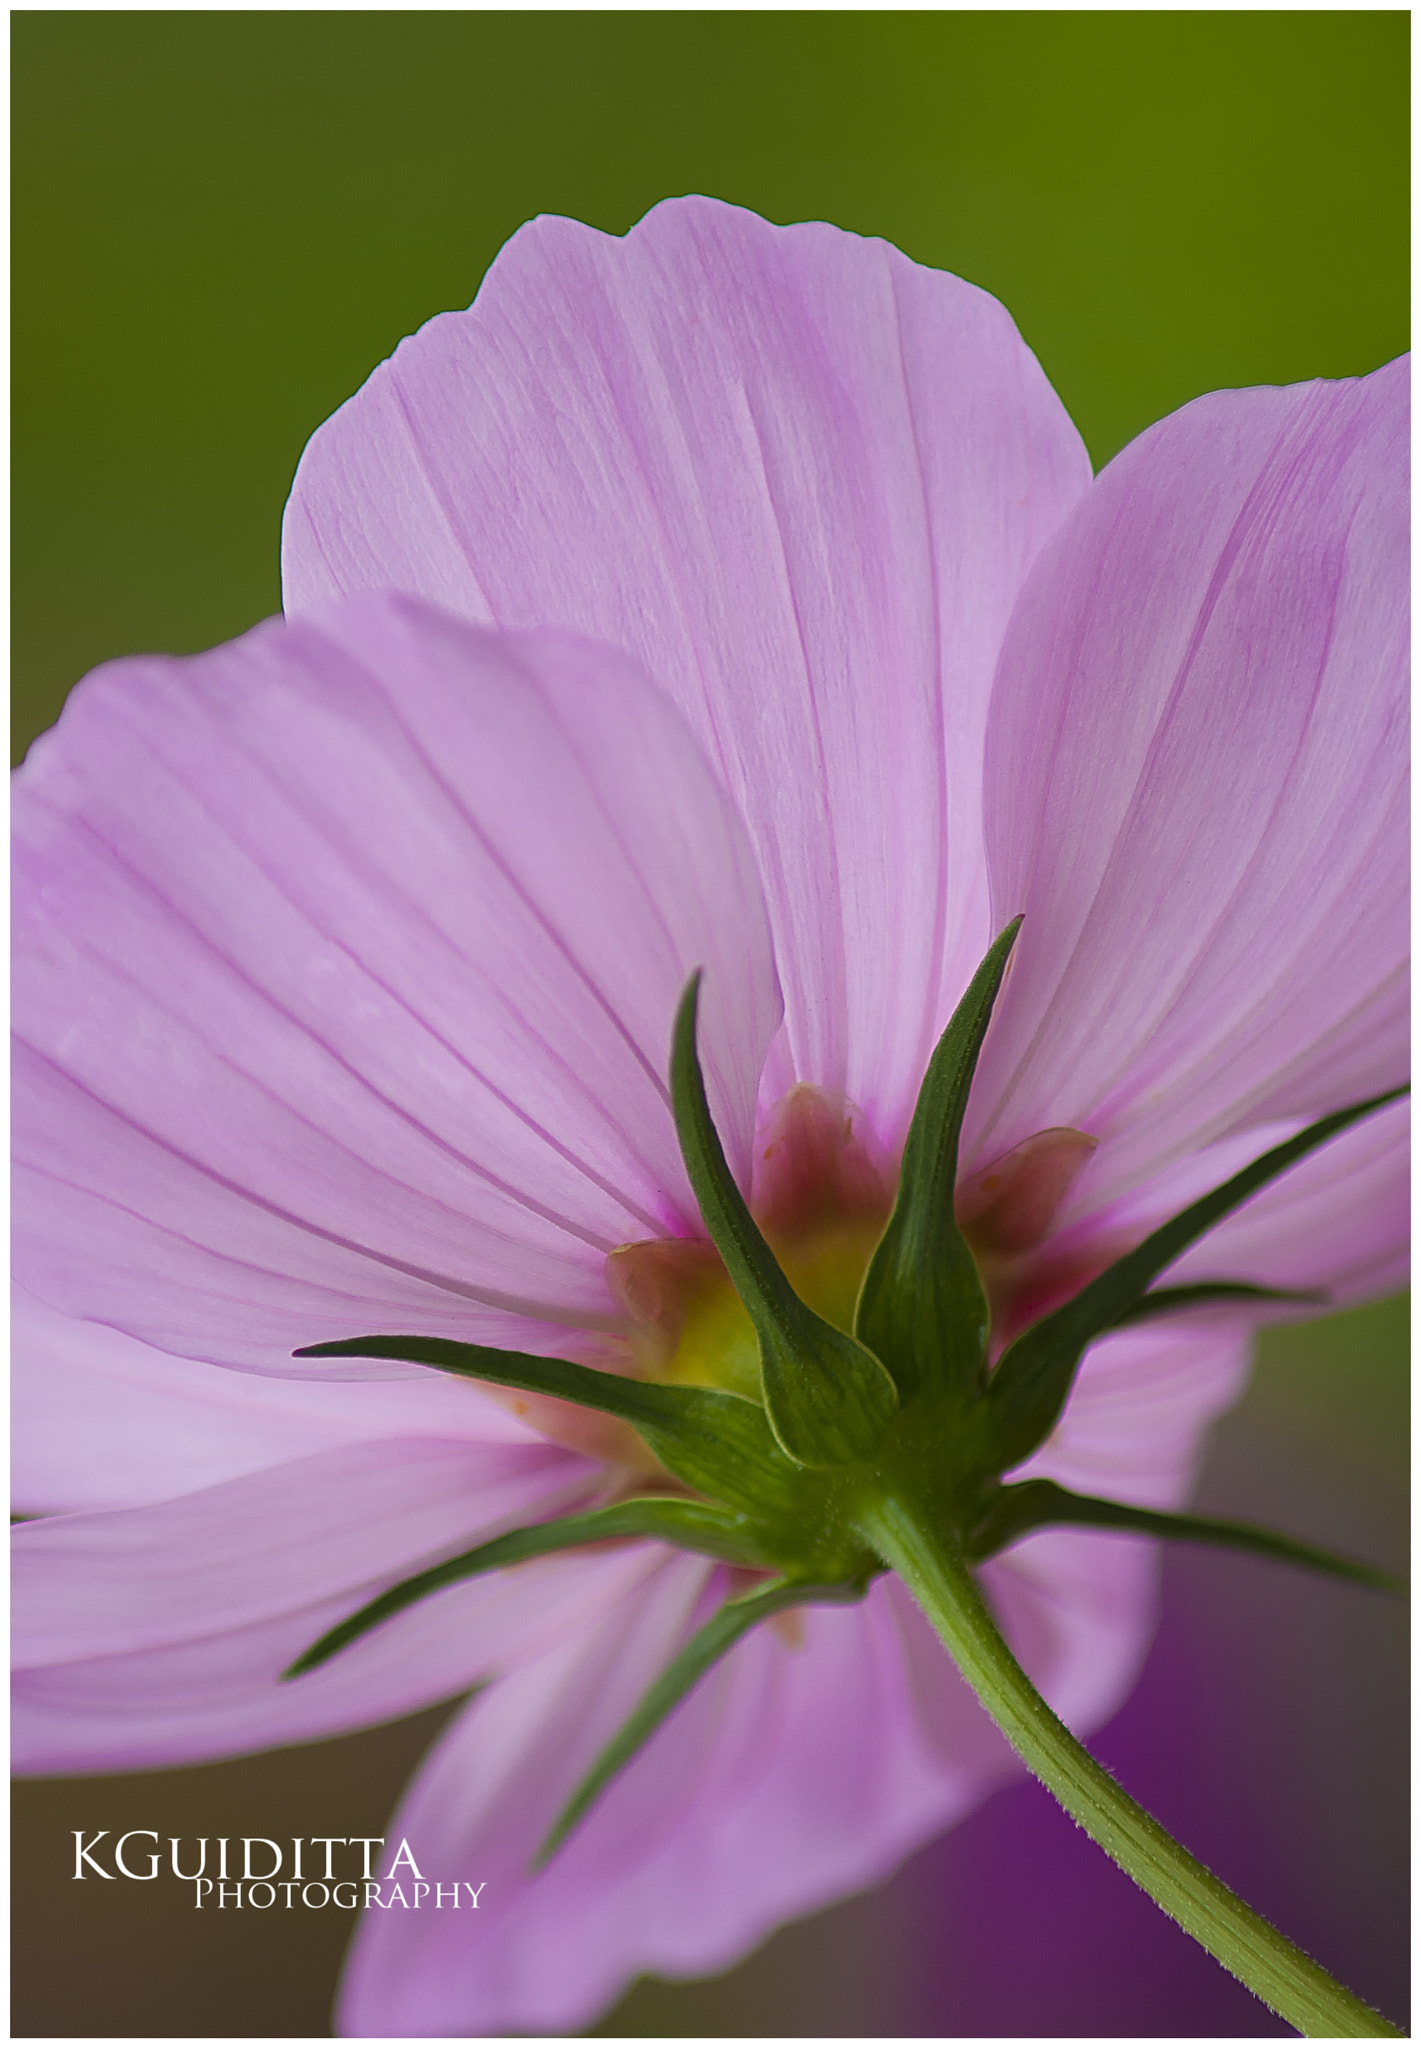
(781, 632)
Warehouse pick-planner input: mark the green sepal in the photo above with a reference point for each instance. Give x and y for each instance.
(721, 1633)
(828, 1399)
(1034, 1378)
(1041, 1504)
(689, 1524)
(922, 1308)
(1169, 1301)
(717, 1442)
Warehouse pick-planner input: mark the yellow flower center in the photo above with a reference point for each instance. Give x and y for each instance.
(822, 1205)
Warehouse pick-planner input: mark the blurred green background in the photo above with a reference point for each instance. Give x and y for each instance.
(222, 221)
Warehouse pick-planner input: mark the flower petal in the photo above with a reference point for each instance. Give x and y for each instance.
(1143, 1401)
(1339, 1222)
(1078, 1605)
(801, 480)
(152, 1636)
(789, 1776)
(793, 1774)
(102, 1421)
(347, 962)
(1195, 776)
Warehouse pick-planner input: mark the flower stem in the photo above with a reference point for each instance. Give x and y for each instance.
(1266, 1961)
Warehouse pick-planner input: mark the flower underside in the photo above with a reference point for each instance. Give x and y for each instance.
(839, 1358)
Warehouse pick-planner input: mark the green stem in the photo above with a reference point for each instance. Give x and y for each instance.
(1265, 1960)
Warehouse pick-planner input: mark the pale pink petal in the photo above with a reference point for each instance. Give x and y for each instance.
(1078, 1605)
(793, 1774)
(1142, 1403)
(156, 1635)
(102, 1421)
(1336, 1225)
(790, 1775)
(1195, 777)
(800, 479)
(1338, 1222)
(347, 962)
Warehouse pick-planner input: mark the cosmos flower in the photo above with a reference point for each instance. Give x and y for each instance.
(725, 597)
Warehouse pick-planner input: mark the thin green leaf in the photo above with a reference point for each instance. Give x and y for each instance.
(922, 1309)
(1168, 1301)
(1034, 1378)
(1040, 1504)
(689, 1524)
(721, 1633)
(828, 1399)
(717, 1442)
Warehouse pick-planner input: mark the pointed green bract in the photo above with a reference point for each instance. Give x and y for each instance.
(717, 1442)
(922, 1309)
(1034, 1378)
(1169, 1301)
(1041, 1504)
(721, 1633)
(690, 1525)
(828, 1399)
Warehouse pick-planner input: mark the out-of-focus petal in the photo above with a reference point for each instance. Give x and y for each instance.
(347, 957)
(1195, 776)
(799, 1770)
(152, 1636)
(1337, 1225)
(102, 1421)
(792, 1774)
(1078, 1605)
(1338, 1222)
(1143, 1401)
(801, 480)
